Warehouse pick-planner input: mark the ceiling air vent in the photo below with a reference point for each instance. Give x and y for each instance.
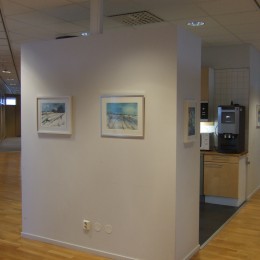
(137, 18)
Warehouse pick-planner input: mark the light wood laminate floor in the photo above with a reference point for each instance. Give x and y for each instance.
(12, 246)
(240, 237)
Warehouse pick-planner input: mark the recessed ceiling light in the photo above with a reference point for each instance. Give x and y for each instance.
(195, 23)
(84, 34)
(6, 71)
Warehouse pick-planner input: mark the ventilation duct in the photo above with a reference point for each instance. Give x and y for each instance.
(137, 18)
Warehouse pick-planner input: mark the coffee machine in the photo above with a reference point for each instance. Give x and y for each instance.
(231, 129)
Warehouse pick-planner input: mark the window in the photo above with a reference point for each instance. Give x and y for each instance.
(10, 101)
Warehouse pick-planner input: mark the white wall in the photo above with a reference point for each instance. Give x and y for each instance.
(253, 179)
(129, 184)
(188, 155)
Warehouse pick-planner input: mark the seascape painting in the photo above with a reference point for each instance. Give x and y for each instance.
(53, 115)
(122, 116)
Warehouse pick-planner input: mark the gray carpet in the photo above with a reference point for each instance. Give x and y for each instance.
(10, 144)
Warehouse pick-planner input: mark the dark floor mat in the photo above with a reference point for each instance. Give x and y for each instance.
(212, 217)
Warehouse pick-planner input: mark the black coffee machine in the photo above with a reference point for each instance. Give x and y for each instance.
(231, 129)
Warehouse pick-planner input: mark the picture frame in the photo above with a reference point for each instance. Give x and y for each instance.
(54, 115)
(190, 121)
(122, 116)
(257, 116)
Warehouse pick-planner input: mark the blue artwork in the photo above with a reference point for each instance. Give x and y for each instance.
(122, 116)
(191, 122)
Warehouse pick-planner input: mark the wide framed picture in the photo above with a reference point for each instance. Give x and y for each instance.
(122, 116)
(257, 116)
(54, 115)
(190, 111)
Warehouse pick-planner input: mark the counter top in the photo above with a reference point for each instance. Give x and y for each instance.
(213, 152)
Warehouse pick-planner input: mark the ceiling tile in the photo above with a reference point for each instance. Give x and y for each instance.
(112, 7)
(69, 13)
(228, 6)
(239, 18)
(2, 34)
(249, 37)
(35, 18)
(244, 28)
(64, 28)
(110, 23)
(173, 12)
(40, 4)
(27, 30)
(4, 48)
(79, 1)
(10, 8)
(3, 42)
(222, 38)
(83, 23)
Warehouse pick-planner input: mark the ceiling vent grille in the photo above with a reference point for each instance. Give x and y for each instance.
(137, 18)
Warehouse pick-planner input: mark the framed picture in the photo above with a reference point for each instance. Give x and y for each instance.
(257, 116)
(122, 116)
(54, 115)
(190, 111)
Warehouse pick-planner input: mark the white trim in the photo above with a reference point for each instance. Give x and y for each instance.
(76, 247)
(192, 253)
(224, 201)
(252, 193)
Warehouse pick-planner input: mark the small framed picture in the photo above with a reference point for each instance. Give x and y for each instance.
(257, 116)
(122, 116)
(190, 111)
(54, 115)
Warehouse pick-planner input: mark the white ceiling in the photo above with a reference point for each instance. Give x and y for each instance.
(227, 22)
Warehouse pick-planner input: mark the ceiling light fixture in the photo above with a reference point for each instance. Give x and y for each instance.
(84, 34)
(6, 71)
(195, 23)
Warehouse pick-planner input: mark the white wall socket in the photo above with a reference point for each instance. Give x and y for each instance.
(86, 224)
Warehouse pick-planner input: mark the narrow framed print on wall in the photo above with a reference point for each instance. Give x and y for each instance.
(190, 111)
(257, 116)
(122, 116)
(54, 115)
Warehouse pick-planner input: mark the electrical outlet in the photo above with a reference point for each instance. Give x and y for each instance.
(86, 224)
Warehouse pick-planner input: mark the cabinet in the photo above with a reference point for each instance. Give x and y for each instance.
(225, 178)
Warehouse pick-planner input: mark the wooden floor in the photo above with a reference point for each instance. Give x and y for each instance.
(12, 246)
(240, 238)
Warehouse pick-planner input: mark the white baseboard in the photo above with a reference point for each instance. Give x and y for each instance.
(224, 201)
(76, 247)
(252, 193)
(192, 253)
